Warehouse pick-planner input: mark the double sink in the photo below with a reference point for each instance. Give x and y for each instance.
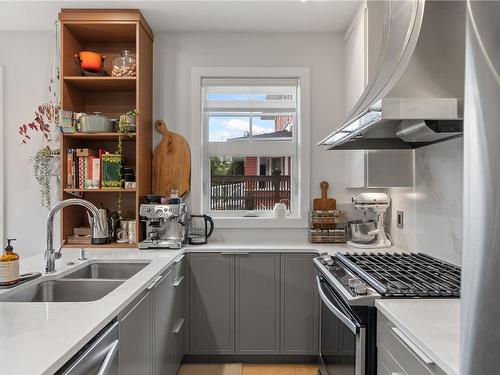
(89, 283)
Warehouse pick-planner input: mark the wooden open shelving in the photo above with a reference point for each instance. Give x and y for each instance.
(100, 136)
(100, 190)
(102, 83)
(108, 32)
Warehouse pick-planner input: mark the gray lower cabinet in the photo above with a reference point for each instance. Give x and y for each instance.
(136, 346)
(153, 327)
(180, 318)
(211, 303)
(162, 360)
(257, 303)
(299, 305)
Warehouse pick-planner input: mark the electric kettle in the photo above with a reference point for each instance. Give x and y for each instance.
(100, 234)
(201, 228)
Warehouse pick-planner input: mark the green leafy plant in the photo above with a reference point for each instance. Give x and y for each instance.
(124, 126)
(46, 115)
(43, 169)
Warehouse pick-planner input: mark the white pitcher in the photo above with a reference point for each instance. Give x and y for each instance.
(280, 211)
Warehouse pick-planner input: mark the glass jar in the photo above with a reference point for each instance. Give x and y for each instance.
(124, 65)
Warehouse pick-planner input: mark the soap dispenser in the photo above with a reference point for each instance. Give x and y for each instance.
(9, 265)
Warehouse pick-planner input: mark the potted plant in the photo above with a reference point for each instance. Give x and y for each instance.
(45, 159)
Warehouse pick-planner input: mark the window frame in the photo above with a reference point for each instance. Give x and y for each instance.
(3, 135)
(200, 160)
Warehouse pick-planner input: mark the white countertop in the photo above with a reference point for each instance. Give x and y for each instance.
(432, 324)
(39, 337)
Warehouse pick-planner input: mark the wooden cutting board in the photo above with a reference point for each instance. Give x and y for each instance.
(324, 203)
(171, 163)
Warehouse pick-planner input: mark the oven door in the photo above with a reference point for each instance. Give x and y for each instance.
(342, 337)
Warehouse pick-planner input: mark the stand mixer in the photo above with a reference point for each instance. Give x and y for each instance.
(370, 234)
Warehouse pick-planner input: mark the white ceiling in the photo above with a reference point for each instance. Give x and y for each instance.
(187, 15)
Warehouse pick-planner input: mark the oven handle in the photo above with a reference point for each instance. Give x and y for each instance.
(348, 322)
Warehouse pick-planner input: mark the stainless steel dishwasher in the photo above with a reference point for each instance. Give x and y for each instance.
(98, 357)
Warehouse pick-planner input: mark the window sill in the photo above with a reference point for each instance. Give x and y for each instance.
(259, 222)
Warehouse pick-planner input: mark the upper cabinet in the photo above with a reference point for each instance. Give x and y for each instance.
(362, 46)
(379, 168)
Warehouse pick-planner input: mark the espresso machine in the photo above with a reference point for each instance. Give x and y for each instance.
(166, 225)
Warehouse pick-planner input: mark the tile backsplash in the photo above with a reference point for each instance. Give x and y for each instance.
(433, 208)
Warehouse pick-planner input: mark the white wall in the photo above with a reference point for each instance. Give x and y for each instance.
(25, 57)
(433, 208)
(177, 53)
(25, 84)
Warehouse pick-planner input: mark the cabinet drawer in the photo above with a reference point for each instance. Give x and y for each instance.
(179, 269)
(386, 365)
(401, 349)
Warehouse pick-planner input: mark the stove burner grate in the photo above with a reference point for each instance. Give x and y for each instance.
(405, 274)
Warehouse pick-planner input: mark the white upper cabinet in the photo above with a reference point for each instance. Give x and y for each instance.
(355, 59)
(362, 45)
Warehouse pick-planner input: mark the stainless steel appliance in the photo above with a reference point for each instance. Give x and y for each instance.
(201, 228)
(370, 233)
(480, 304)
(348, 285)
(99, 357)
(101, 232)
(416, 95)
(165, 226)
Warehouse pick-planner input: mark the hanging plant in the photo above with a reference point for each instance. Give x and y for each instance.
(45, 123)
(45, 115)
(43, 168)
(126, 124)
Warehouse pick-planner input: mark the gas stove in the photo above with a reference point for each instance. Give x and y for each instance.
(366, 276)
(348, 285)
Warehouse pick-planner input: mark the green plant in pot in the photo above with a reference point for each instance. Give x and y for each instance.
(45, 160)
(126, 127)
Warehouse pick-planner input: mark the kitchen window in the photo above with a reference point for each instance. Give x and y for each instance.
(250, 156)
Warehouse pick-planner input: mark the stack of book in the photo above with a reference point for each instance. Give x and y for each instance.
(84, 169)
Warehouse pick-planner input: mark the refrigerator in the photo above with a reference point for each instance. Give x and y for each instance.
(480, 302)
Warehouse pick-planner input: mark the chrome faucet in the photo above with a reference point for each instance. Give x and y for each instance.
(50, 253)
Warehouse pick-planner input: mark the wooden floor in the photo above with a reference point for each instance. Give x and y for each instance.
(247, 369)
(279, 369)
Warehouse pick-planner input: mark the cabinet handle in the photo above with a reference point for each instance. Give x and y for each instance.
(153, 284)
(178, 260)
(227, 253)
(178, 281)
(235, 253)
(411, 345)
(178, 327)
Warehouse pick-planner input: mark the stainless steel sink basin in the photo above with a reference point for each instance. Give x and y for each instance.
(64, 291)
(117, 271)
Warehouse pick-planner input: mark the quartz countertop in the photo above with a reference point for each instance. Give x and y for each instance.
(40, 337)
(432, 324)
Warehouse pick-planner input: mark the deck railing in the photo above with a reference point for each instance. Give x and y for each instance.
(249, 192)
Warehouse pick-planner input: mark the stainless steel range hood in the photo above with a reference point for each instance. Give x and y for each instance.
(416, 96)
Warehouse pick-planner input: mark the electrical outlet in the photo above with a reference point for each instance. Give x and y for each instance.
(400, 221)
